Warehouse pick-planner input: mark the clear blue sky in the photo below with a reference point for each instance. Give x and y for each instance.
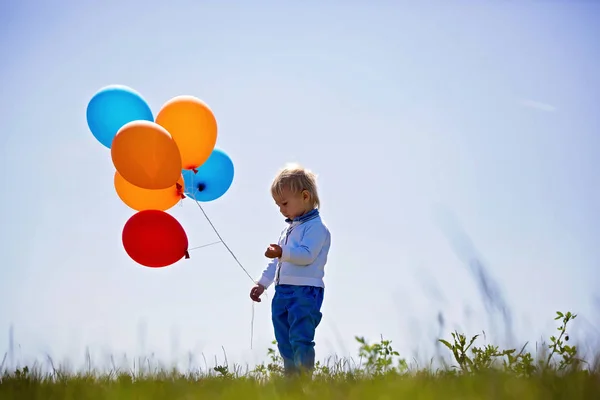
(411, 115)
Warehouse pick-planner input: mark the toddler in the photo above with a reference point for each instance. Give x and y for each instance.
(296, 268)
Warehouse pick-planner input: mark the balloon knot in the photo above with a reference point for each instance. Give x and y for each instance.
(195, 170)
(180, 191)
(187, 254)
(201, 187)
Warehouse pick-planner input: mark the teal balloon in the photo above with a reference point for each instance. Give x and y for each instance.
(112, 107)
(213, 178)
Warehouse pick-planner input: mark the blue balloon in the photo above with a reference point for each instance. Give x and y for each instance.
(112, 107)
(213, 178)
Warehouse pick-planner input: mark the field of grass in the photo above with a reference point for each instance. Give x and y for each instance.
(555, 371)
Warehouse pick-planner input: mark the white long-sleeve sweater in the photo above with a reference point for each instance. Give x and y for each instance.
(305, 246)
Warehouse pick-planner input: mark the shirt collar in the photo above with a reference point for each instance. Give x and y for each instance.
(305, 217)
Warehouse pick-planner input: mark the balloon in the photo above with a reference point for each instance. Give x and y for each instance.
(154, 239)
(112, 107)
(213, 178)
(144, 199)
(193, 127)
(146, 155)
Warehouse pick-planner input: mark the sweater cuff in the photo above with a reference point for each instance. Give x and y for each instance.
(266, 282)
(285, 253)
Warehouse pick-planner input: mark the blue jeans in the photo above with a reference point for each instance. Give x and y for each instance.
(296, 313)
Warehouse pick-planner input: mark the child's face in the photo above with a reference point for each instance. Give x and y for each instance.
(292, 205)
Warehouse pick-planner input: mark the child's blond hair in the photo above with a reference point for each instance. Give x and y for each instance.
(296, 178)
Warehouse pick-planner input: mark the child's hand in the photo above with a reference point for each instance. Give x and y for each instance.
(273, 251)
(256, 292)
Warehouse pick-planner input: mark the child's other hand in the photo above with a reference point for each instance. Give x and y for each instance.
(256, 292)
(273, 251)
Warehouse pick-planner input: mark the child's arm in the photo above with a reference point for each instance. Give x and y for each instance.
(308, 249)
(268, 275)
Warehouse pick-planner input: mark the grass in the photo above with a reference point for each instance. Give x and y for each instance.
(556, 371)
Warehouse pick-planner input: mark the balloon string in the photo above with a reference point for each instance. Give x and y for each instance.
(234, 257)
(204, 245)
(252, 327)
(222, 241)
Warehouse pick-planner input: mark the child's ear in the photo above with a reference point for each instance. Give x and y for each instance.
(305, 195)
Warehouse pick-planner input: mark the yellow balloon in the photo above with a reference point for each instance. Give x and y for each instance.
(146, 199)
(146, 155)
(192, 125)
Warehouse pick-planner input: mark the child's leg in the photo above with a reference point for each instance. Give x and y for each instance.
(304, 315)
(279, 315)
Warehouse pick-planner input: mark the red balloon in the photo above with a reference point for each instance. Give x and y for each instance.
(154, 239)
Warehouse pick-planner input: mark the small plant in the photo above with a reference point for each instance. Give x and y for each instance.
(276, 364)
(568, 353)
(223, 370)
(459, 349)
(522, 364)
(273, 368)
(380, 357)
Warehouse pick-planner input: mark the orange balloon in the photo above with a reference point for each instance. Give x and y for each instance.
(146, 155)
(145, 199)
(192, 125)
